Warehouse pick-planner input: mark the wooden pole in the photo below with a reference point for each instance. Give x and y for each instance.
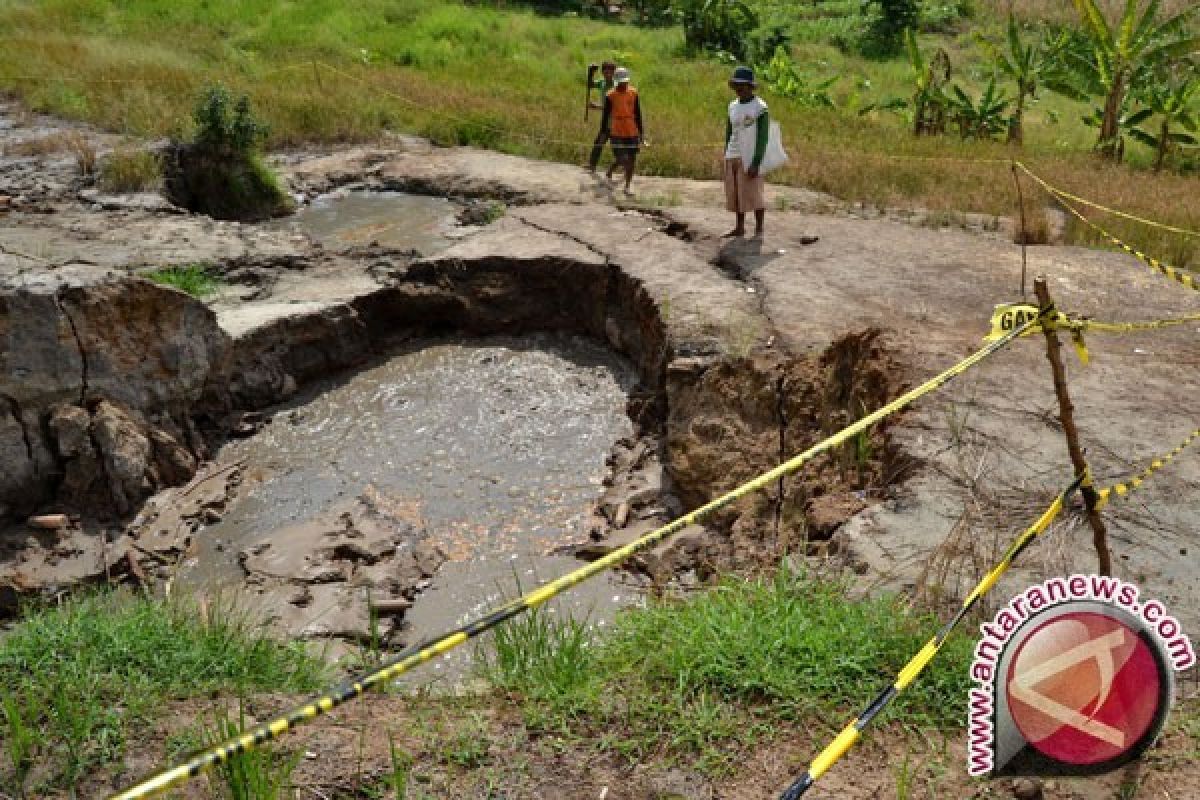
(1024, 231)
(1066, 415)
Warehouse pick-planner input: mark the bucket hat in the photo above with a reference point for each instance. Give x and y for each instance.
(621, 75)
(743, 75)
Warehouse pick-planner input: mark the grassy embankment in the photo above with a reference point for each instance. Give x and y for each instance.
(78, 680)
(700, 681)
(511, 80)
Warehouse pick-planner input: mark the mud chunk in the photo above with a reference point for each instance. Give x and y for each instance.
(825, 514)
(70, 426)
(49, 522)
(427, 557)
(126, 455)
(1027, 789)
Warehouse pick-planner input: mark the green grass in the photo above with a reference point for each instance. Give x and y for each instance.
(726, 666)
(263, 773)
(75, 678)
(511, 80)
(195, 279)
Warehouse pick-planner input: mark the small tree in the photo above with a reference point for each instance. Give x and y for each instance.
(1115, 60)
(1028, 65)
(888, 20)
(982, 118)
(717, 25)
(1174, 102)
(227, 127)
(929, 101)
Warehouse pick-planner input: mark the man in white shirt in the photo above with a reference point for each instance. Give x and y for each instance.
(746, 129)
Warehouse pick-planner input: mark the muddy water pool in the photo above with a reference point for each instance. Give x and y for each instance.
(351, 218)
(501, 443)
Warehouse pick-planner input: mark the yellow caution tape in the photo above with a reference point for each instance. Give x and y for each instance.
(1125, 487)
(853, 730)
(1006, 315)
(1174, 273)
(413, 656)
(1092, 204)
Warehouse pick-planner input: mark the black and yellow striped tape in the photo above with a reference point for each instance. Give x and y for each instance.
(418, 654)
(1119, 490)
(1174, 273)
(853, 731)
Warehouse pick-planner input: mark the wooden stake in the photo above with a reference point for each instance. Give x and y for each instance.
(1024, 230)
(1066, 414)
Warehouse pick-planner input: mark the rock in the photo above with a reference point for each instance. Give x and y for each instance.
(125, 451)
(1027, 789)
(75, 343)
(49, 522)
(278, 351)
(71, 427)
(132, 201)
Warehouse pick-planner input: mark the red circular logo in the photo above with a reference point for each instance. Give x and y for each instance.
(1084, 688)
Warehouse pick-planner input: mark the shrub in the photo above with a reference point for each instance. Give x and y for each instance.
(220, 172)
(887, 21)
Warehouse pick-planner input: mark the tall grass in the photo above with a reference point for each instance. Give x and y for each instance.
(260, 774)
(511, 80)
(75, 677)
(714, 670)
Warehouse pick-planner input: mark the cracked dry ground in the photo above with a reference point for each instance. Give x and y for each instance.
(748, 351)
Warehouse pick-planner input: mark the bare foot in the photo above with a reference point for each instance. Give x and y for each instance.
(736, 232)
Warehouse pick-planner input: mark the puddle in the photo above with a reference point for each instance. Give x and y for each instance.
(392, 219)
(500, 442)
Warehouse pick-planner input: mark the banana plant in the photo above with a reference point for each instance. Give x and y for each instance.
(781, 75)
(1028, 65)
(1117, 59)
(982, 119)
(1174, 103)
(929, 102)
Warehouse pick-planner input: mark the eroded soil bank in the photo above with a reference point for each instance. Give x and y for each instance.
(744, 352)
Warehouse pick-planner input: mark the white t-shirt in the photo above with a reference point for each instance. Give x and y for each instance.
(743, 118)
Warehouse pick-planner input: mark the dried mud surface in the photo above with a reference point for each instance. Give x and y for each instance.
(746, 351)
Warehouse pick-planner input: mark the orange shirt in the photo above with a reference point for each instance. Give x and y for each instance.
(623, 120)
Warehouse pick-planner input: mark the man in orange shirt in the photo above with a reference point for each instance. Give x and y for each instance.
(623, 121)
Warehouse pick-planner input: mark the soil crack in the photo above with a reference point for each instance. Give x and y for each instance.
(83, 358)
(608, 261)
(15, 410)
